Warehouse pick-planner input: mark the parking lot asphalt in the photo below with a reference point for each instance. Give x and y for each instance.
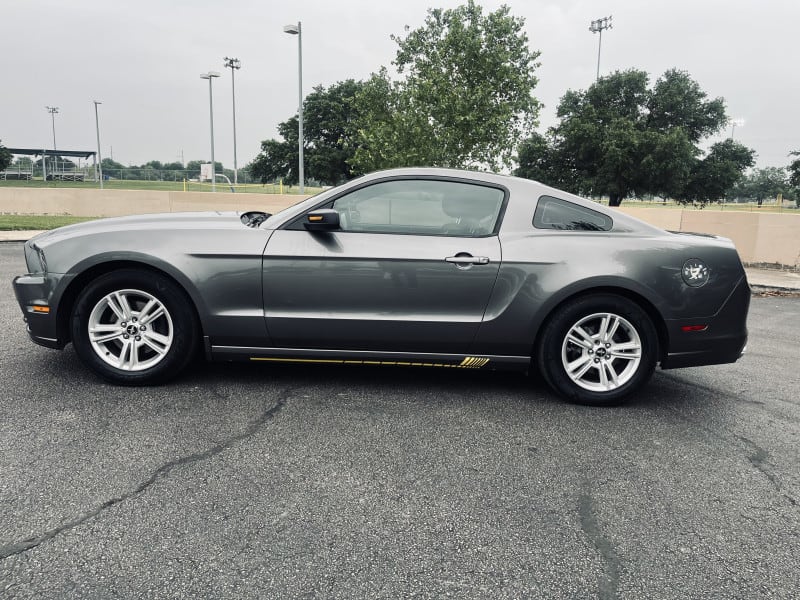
(241, 481)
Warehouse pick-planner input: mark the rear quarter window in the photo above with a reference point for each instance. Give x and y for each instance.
(554, 213)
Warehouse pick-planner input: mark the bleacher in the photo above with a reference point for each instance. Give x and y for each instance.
(16, 175)
(66, 176)
(65, 170)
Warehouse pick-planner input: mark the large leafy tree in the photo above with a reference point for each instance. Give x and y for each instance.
(622, 136)
(794, 175)
(464, 97)
(764, 183)
(5, 157)
(329, 129)
(714, 176)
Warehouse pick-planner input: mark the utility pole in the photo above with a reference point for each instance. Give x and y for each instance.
(234, 64)
(298, 31)
(210, 76)
(97, 129)
(597, 27)
(53, 110)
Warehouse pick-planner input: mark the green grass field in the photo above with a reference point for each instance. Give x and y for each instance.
(37, 222)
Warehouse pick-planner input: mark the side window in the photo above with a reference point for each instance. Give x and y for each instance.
(421, 207)
(554, 213)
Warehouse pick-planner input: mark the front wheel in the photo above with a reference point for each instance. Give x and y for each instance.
(134, 328)
(598, 349)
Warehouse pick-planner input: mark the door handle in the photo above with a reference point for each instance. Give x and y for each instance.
(467, 259)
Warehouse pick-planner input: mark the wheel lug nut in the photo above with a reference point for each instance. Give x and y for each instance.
(591, 351)
(125, 336)
(138, 338)
(124, 324)
(597, 360)
(143, 328)
(134, 319)
(608, 345)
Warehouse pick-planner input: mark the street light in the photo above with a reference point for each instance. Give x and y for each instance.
(597, 27)
(53, 110)
(298, 31)
(234, 64)
(97, 129)
(210, 76)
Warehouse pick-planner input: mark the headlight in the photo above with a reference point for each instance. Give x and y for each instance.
(35, 259)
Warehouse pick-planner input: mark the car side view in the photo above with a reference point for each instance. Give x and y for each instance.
(433, 268)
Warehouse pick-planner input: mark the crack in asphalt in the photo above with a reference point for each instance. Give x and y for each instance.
(164, 470)
(760, 461)
(609, 583)
(759, 458)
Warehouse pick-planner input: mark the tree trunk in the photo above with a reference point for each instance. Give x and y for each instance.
(614, 199)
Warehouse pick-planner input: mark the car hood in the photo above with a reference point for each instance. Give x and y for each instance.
(150, 222)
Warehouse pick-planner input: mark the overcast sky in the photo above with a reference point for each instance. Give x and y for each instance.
(143, 60)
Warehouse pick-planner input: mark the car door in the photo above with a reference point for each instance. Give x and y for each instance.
(409, 269)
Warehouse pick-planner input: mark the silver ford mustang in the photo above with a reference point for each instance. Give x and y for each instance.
(430, 268)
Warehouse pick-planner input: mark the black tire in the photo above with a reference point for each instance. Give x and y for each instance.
(130, 351)
(597, 360)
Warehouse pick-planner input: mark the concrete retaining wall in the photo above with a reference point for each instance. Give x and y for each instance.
(82, 202)
(759, 237)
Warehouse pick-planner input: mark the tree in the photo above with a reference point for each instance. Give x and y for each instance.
(330, 126)
(535, 161)
(714, 176)
(794, 176)
(762, 184)
(464, 99)
(621, 136)
(5, 157)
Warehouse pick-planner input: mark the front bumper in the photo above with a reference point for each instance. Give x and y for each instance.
(34, 294)
(723, 341)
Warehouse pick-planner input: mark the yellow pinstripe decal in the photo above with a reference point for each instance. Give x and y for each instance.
(469, 362)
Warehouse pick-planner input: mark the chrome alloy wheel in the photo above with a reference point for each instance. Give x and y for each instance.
(601, 352)
(130, 330)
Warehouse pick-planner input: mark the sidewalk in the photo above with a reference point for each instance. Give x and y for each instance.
(761, 280)
(17, 236)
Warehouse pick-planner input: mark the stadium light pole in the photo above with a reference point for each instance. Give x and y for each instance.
(97, 130)
(234, 64)
(53, 110)
(210, 76)
(298, 31)
(597, 27)
(736, 123)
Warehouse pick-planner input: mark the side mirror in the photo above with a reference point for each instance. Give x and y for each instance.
(323, 219)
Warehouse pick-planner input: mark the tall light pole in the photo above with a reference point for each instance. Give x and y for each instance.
(597, 27)
(234, 64)
(97, 129)
(210, 76)
(736, 123)
(53, 110)
(298, 31)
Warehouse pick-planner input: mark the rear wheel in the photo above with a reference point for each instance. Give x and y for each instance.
(134, 327)
(598, 349)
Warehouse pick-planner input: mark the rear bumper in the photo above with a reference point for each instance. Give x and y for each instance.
(35, 291)
(723, 341)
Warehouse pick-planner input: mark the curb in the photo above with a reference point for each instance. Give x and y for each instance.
(757, 289)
